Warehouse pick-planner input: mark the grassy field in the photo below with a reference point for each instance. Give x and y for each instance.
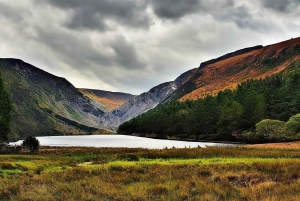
(239, 173)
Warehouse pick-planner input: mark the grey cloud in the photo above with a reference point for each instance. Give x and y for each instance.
(222, 11)
(13, 13)
(242, 17)
(281, 5)
(174, 9)
(85, 19)
(94, 14)
(75, 50)
(79, 51)
(126, 55)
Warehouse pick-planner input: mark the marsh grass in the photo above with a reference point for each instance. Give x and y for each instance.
(140, 174)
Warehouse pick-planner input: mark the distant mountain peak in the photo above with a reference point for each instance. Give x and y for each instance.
(110, 100)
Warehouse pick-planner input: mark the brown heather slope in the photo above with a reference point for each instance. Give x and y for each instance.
(211, 78)
(110, 100)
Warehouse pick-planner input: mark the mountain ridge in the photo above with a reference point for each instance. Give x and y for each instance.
(224, 72)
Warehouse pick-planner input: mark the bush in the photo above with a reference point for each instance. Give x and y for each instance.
(293, 124)
(270, 129)
(31, 143)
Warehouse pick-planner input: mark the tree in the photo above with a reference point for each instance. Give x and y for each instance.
(31, 143)
(5, 112)
(293, 124)
(270, 129)
(231, 112)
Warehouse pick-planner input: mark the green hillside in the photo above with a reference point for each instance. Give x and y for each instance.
(45, 104)
(231, 114)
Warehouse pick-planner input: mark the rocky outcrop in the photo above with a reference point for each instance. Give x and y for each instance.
(137, 106)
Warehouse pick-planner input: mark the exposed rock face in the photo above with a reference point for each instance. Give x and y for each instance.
(46, 104)
(143, 102)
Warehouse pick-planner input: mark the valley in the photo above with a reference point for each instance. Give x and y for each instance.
(41, 97)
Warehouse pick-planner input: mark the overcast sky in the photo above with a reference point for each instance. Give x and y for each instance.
(133, 45)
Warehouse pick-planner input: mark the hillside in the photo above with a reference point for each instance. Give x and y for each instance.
(265, 110)
(227, 72)
(110, 100)
(212, 76)
(45, 104)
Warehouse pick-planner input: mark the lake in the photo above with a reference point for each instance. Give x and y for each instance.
(118, 141)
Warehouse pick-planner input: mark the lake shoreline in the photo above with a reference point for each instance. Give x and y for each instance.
(117, 141)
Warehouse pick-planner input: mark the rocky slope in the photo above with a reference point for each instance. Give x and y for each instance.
(143, 102)
(225, 72)
(45, 104)
(110, 100)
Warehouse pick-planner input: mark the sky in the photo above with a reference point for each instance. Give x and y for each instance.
(133, 45)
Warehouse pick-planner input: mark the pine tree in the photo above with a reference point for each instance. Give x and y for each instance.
(5, 112)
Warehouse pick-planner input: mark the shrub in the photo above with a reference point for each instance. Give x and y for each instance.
(293, 124)
(31, 143)
(270, 129)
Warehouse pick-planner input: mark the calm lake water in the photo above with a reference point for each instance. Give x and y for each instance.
(118, 141)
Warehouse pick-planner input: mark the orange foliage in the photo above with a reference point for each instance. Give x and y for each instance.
(228, 73)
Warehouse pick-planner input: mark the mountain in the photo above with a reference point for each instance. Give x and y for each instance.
(47, 105)
(212, 76)
(110, 100)
(143, 102)
(228, 71)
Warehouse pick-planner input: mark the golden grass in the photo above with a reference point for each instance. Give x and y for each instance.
(140, 174)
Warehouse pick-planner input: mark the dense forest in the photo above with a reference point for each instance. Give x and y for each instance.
(257, 110)
(6, 107)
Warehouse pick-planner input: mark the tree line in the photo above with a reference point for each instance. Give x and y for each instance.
(230, 115)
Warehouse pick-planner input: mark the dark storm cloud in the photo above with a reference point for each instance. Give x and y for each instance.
(174, 9)
(222, 11)
(281, 5)
(93, 14)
